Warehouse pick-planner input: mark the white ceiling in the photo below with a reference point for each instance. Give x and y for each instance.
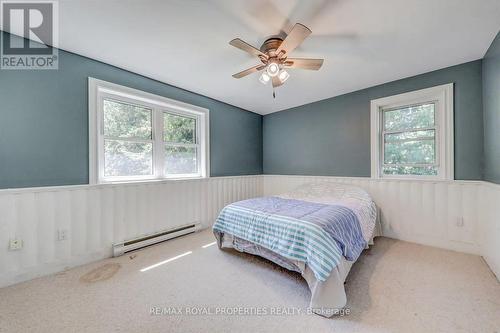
(364, 42)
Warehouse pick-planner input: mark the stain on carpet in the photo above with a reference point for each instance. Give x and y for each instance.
(101, 273)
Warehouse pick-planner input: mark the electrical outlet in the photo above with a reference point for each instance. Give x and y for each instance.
(15, 244)
(62, 234)
(460, 222)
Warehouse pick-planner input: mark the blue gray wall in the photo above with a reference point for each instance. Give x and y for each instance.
(44, 140)
(44, 133)
(332, 137)
(491, 102)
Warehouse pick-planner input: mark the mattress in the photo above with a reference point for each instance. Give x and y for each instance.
(314, 233)
(327, 295)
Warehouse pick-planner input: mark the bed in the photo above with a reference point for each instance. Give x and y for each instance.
(318, 230)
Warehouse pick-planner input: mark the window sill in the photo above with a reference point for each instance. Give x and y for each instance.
(148, 181)
(412, 178)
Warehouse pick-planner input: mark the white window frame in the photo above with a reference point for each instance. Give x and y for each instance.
(442, 97)
(100, 90)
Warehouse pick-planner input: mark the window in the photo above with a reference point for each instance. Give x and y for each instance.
(128, 139)
(181, 144)
(412, 134)
(135, 135)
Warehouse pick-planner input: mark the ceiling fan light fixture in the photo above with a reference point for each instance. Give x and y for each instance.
(274, 58)
(283, 76)
(273, 69)
(264, 78)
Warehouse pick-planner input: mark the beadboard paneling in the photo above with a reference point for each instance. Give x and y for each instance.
(98, 216)
(490, 226)
(424, 212)
(95, 217)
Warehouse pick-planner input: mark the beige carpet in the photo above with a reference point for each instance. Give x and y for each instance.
(394, 287)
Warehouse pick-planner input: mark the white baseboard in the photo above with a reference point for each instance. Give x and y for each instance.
(490, 226)
(30, 273)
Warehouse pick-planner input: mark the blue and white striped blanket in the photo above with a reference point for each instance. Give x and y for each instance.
(317, 234)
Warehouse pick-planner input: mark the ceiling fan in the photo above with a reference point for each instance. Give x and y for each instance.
(273, 55)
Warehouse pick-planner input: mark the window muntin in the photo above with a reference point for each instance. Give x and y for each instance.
(409, 140)
(139, 136)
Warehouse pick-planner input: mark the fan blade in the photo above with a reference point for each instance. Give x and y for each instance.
(276, 82)
(244, 46)
(311, 64)
(248, 71)
(295, 38)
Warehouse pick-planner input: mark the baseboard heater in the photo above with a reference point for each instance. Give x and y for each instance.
(137, 243)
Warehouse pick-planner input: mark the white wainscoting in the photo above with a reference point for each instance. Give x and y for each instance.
(96, 216)
(424, 212)
(490, 226)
